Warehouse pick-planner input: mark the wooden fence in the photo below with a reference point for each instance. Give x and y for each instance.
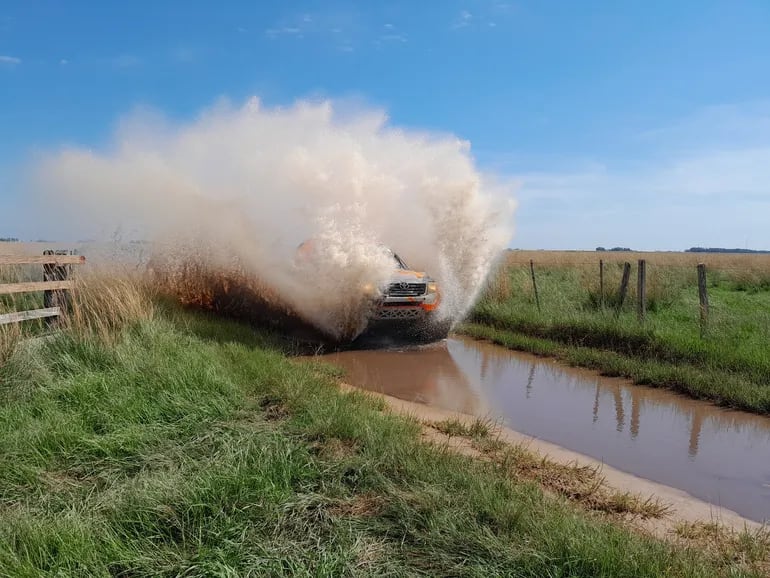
(55, 284)
(641, 289)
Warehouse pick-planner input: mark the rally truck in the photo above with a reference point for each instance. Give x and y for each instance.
(405, 306)
(408, 294)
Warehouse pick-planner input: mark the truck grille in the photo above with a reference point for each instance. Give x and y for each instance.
(406, 289)
(398, 313)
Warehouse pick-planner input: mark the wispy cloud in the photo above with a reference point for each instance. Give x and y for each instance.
(710, 186)
(7, 22)
(9, 60)
(341, 30)
(295, 31)
(463, 20)
(393, 38)
(183, 55)
(126, 61)
(64, 62)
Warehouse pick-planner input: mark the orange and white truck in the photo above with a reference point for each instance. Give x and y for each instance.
(407, 302)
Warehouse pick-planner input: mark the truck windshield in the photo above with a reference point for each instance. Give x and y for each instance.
(399, 262)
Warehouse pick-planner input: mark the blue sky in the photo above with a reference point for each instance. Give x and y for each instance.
(644, 124)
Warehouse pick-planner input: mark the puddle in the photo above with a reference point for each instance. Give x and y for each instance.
(717, 455)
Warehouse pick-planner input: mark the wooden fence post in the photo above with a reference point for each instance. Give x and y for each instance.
(624, 285)
(641, 290)
(55, 298)
(704, 298)
(601, 283)
(534, 283)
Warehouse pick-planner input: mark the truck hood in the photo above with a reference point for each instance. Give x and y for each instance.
(405, 275)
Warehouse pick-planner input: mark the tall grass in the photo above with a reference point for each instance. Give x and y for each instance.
(10, 336)
(730, 349)
(103, 303)
(185, 445)
(143, 441)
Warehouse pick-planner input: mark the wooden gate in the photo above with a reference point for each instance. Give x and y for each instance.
(55, 284)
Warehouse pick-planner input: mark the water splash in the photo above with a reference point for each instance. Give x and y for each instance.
(250, 183)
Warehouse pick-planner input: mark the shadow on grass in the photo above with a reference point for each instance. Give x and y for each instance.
(291, 337)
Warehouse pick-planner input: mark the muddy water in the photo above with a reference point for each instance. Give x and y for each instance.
(720, 456)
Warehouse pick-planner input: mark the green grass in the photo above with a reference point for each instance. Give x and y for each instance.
(194, 447)
(726, 361)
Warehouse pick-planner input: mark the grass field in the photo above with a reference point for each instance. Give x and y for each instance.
(144, 441)
(726, 361)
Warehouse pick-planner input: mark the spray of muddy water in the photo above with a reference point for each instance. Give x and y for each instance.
(250, 183)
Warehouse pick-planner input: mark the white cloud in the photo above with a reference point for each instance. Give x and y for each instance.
(710, 186)
(463, 20)
(9, 60)
(64, 62)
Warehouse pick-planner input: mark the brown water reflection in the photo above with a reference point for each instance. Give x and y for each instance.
(425, 375)
(717, 455)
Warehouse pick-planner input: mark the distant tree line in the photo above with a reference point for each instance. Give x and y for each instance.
(613, 249)
(9, 240)
(721, 250)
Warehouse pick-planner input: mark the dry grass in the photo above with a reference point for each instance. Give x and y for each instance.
(747, 548)
(479, 428)
(227, 290)
(667, 271)
(10, 336)
(742, 261)
(363, 505)
(499, 287)
(103, 302)
(580, 484)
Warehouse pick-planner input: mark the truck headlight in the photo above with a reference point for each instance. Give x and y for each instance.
(432, 287)
(369, 289)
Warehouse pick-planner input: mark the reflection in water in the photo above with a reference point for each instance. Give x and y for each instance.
(530, 379)
(696, 423)
(635, 401)
(426, 375)
(718, 455)
(620, 417)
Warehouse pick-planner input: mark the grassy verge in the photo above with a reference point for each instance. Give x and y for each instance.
(726, 362)
(725, 389)
(184, 445)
